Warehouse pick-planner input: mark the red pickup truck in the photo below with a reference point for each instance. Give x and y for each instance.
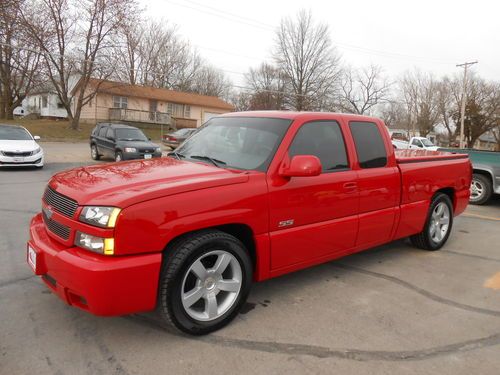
(248, 197)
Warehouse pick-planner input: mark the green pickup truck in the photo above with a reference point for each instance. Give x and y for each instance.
(486, 175)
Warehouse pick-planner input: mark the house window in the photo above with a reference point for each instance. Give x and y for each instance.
(178, 110)
(120, 102)
(60, 105)
(90, 103)
(44, 101)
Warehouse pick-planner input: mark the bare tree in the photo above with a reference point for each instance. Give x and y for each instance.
(267, 84)
(73, 38)
(419, 91)
(304, 52)
(362, 90)
(18, 60)
(482, 110)
(211, 81)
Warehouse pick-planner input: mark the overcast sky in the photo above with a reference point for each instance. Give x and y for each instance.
(397, 35)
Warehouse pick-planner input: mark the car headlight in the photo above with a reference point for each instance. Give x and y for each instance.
(104, 217)
(96, 244)
(130, 149)
(36, 151)
(158, 149)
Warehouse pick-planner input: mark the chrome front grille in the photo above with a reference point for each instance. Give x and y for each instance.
(57, 228)
(60, 203)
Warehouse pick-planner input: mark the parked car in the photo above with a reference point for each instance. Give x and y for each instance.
(486, 173)
(121, 142)
(415, 143)
(253, 195)
(18, 148)
(174, 139)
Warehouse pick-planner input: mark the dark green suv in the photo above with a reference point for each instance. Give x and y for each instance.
(121, 142)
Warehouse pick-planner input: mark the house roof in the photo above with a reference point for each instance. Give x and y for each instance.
(125, 89)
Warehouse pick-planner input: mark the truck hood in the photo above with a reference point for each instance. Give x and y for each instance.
(126, 183)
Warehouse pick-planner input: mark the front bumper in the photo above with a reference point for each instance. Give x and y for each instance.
(101, 285)
(27, 161)
(139, 155)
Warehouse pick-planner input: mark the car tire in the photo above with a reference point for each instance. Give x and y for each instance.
(205, 280)
(94, 154)
(481, 189)
(118, 156)
(438, 225)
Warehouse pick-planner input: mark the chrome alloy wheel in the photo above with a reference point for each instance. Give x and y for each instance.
(211, 285)
(93, 152)
(476, 190)
(440, 222)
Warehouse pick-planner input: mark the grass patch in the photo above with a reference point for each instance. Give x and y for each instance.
(59, 130)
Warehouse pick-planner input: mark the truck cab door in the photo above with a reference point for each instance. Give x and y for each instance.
(379, 184)
(313, 218)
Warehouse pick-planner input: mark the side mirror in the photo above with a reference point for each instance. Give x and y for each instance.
(36, 137)
(301, 166)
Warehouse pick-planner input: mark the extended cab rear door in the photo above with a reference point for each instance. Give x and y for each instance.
(378, 181)
(312, 218)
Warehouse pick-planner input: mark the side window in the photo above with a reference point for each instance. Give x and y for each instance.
(323, 139)
(102, 131)
(369, 144)
(416, 142)
(110, 133)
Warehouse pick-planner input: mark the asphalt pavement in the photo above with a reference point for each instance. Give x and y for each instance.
(390, 310)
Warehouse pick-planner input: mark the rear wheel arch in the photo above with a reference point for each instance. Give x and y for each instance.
(450, 192)
(483, 172)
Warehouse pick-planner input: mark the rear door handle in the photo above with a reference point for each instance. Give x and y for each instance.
(350, 186)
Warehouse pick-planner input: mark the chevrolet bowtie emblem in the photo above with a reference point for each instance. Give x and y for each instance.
(48, 212)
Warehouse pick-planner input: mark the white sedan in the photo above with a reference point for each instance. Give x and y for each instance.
(18, 148)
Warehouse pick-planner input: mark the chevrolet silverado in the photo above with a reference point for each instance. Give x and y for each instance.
(250, 196)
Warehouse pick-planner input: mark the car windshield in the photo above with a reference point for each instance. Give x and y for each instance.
(130, 134)
(247, 143)
(427, 143)
(14, 134)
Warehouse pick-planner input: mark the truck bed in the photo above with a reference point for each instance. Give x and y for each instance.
(414, 156)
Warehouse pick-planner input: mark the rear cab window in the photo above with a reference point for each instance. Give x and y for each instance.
(323, 139)
(369, 143)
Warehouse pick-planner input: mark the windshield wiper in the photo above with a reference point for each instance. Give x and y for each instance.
(215, 162)
(176, 154)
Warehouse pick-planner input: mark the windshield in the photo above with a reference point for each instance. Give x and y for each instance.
(426, 142)
(247, 143)
(130, 134)
(14, 134)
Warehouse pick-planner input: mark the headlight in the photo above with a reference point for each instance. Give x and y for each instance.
(99, 245)
(104, 217)
(36, 151)
(130, 149)
(158, 149)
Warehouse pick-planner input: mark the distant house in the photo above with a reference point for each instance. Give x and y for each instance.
(487, 141)
(44, 102)
(116, 101)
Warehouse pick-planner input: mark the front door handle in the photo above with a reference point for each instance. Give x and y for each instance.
(350, 186)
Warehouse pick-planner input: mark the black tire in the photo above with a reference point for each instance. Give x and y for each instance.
(423, 240)
(94, 153)
(118, 156)
(178, 259)
(484, 183)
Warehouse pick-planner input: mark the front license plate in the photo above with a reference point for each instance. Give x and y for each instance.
(148, 156)
(18, 160)
(32, 258)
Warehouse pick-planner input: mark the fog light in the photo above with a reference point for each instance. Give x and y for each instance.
(96, 244)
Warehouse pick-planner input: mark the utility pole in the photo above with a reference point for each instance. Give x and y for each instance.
(464, 94)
